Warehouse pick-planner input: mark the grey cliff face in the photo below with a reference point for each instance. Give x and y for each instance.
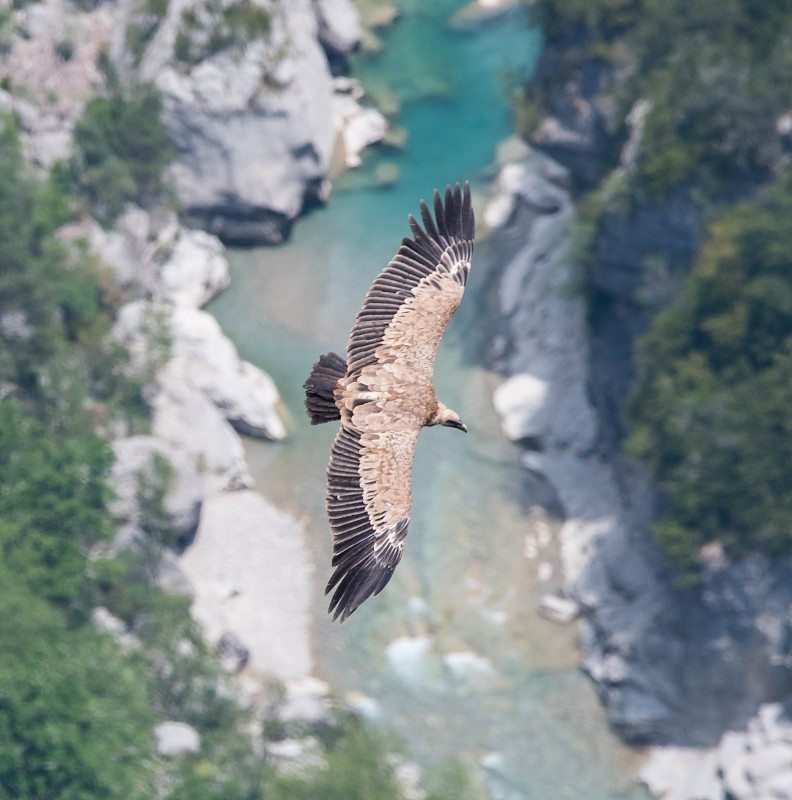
(253, 124)
(672, 666)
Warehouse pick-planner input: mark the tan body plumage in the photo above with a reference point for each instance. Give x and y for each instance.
(383, 395)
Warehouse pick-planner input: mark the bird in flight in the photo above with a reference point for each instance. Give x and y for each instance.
(383, 395)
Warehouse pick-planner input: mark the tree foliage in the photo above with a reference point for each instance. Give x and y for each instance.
(123, 148)
(75, 721)
(53, 506)
(716, 74)
(56, 305)
(355, 768)
(711, 411)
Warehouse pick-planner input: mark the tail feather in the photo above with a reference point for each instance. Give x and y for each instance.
(319, 388)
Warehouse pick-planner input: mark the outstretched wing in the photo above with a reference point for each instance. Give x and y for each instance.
(411, 301)
(369, 500)
(388, 395)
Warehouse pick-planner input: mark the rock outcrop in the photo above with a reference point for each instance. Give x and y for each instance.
(136, 470)
(672, 666)
(202, 395)
(751, 764)
(250, 108)
(258, 562)
(51, 61)
(248, 90)
(203, 358)
(153, 255)
(176, 739)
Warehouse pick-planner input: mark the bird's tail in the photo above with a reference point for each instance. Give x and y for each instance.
(319, 388)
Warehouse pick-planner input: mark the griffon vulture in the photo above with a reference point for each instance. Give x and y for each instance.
(383, 395)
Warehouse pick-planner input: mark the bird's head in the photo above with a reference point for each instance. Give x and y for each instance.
(445, 416)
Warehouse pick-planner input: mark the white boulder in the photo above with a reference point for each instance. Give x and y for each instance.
(195, 271)
(307, 700)
(251, 573)
(153, 252)
(339, 25)
(176, 739)
(135, 465)
(553, 413)
(206, 361)
(186, 419)
(254, 124)
(357, 126)
(244, 394)
(558, 609)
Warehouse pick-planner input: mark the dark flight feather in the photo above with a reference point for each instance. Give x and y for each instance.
(382, 410)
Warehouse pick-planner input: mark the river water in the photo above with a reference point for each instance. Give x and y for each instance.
(453, 653)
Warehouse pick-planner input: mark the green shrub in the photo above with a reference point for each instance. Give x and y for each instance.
(213, 28)
(122, 150)
(53, 503)
(716, 74)
(75, 722)
(356, 768)
(711, 409)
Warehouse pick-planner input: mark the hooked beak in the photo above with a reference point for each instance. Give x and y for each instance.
(461, 425)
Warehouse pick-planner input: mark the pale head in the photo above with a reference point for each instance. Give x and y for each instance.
(447, 417)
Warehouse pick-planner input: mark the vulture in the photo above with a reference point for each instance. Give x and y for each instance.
(383, 395)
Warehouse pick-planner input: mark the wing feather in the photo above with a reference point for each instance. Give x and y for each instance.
(369, 497)
(369, 515)
(443, 245)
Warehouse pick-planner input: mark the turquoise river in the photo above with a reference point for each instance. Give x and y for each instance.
(453, 652)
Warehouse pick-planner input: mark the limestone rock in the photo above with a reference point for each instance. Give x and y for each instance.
(539, 183)
(307, 701)
(339, 25)
(253, 124)
(152, 252)
(169, 576)
(636, 627)
(14, 325)
(195, 271)
(580, 120)
(186, 419)
(109, 623)
(207, 361)
(232, 652)
(544, 411)
(677, 773)
(545, 399)
(176, 739)
(135, 464)
(750, 764)
(52, 63)
(558, 609)
(295, 756)
(478, 13)
(251, 573)
(244, 394)
(358, 127)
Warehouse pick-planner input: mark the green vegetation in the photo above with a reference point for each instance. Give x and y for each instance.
(53, 504)
(61, 682)
(77, 710)
(57, 307)
(715, 73)
(711, 412)
(75, 721)
(603, 18)
(146, 23)
(123, 148)
(212, 28)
